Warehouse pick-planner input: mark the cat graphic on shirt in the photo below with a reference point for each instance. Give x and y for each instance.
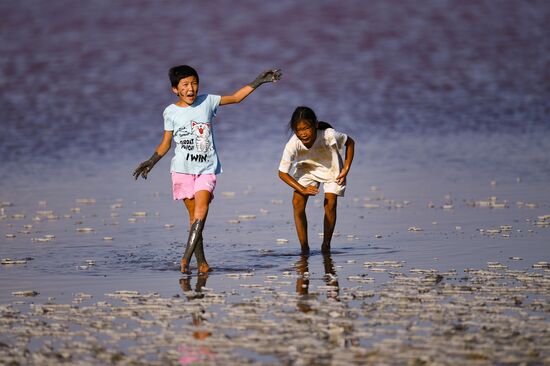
(201, 130)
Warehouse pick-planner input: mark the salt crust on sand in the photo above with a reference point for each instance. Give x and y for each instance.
(492, 316)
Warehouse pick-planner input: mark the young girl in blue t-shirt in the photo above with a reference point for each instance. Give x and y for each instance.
(195, 163)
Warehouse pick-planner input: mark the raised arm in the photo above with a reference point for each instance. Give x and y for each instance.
(269, 76)
(350, 151)
(144, 168)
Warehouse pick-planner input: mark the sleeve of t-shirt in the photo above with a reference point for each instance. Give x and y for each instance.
(288, 157)
(340, 139)
(168, 121)
(214, 101)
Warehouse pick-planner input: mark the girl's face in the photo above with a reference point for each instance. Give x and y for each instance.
(306, 132)
(187, 90)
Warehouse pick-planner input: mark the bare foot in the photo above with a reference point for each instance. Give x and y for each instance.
(204, 267)
(184, 267)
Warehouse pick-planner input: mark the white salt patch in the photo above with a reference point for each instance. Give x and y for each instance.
(84, 229)
(13, 261)
(86, 201)
(371, 205)
(25, 293)
(247, 217)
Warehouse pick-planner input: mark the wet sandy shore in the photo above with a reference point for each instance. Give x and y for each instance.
(441, 271)
(421, 316)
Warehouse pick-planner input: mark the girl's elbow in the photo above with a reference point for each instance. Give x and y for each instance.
(239, 98)
(164, 148)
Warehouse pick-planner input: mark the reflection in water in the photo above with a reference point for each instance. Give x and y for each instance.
(330, 278)
(340, 333)
(302, 282)
(191, 354)
(185, 284)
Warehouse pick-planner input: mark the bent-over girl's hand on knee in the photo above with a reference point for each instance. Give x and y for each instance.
(310, 191)
(341, 178)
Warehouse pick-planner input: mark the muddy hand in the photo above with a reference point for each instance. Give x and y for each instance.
(268, 76)
(144, 168)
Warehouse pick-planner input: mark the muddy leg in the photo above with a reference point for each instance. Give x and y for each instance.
(201, 260)
(195, 235)
(197, 208)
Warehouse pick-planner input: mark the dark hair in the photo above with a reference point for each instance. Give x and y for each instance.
(303, 113)
(322, 125)
(177, 73)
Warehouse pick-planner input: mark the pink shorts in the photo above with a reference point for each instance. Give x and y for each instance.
(186, 185)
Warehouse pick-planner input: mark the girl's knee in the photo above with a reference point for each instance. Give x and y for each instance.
(299, 211)
(200, 211)
(298, 203)
(330, 202)
(202, 203)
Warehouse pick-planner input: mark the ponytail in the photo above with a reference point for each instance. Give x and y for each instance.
(322, 125)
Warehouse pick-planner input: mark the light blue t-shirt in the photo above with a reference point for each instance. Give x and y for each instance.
(193, 133)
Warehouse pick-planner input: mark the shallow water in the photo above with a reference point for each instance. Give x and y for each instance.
(91, 79)
(448, 103)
